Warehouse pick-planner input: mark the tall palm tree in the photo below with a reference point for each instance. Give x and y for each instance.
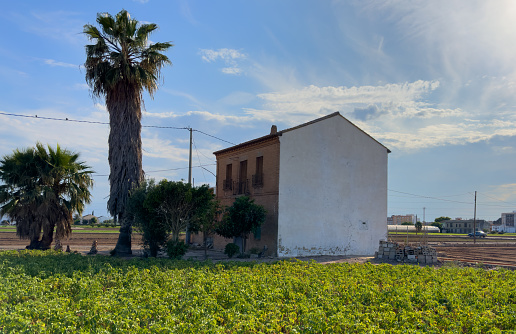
(41, 190)
(120, 65)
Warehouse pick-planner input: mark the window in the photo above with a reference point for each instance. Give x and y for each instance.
(258, 233)
(242, 178)
(243, 170)
(228, 182)
(258, 177)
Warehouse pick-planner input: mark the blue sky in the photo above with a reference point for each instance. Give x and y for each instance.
(434, 81)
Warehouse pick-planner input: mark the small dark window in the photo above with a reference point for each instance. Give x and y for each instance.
(258, 177)
(228, 182)
(242, 179)
(258, 233)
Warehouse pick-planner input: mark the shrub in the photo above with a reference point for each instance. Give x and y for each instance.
(176, 249)
(231, 249)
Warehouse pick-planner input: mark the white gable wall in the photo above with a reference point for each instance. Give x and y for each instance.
(332, 190)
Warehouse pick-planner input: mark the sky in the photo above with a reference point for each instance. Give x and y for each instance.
(434, 81)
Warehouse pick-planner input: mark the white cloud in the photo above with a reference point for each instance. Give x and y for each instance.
(501, 192)
(59, 25)
(397, 100)
(90, 140)
(156, 147)
(224, 54)
(461, 36)
(229, 57)
(53, 63)
(206, 115)
(231, 70)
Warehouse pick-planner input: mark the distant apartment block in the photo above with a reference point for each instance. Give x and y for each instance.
(506, 224)
(400, 219)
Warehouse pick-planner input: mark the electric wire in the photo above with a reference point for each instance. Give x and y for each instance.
(66, 119)
(164, 170)
(198, 158)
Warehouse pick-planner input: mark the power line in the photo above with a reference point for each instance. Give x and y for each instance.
(165, 170)
(198, 158)
(66, 119)
(204, 133)
(430, 197)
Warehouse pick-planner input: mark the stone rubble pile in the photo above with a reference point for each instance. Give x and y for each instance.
(395, 251)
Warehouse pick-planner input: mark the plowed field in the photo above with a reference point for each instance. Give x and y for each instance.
(496, 254)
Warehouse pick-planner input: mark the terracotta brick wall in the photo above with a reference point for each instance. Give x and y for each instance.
(266, 195)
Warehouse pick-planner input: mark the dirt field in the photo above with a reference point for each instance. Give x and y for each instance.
(495, 251)
(495, 254)
(80, 242)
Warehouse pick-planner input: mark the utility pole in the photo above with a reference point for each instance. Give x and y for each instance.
(190, 160)
(187, 235)
(475, 220)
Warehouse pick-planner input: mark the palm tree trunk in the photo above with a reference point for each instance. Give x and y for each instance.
(34, 243)
(123, 244)
(48, 236)
(125, 155)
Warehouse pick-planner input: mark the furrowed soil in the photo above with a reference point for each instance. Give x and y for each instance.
(494, 250)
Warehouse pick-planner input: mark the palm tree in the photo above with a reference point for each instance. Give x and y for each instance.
(120, 66)
(20, 193)
(42, 190)
(66, 183)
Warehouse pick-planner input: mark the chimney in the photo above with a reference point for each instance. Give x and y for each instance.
(274, 130)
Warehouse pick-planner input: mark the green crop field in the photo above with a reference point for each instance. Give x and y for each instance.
(49, 292)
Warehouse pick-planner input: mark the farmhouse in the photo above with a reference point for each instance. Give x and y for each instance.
(323, 184)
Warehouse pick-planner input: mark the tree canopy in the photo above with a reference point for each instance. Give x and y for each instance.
(41, 191)
(162, 211)
(442, 218)
(241, 218)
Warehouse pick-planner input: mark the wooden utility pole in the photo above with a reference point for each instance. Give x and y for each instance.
(190, 160)
(475, 220)
(187, 235)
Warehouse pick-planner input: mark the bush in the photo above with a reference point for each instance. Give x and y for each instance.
(176, 249)
(231, 249)
(501, 232)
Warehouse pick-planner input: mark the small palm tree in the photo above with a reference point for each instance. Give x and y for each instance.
(120, 65)
(20, 193)
(41, 190)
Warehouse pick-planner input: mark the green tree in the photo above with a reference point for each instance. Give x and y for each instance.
(438, 225)
(442, 218)
(120, 65)
(419, 226)
(241, 218)
(167, 208)
(205, 215)
(154, 231)
(41, 190)
(407, 223)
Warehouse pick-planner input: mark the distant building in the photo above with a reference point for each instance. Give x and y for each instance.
(506, 224)
(464, 226)
(400, 219)
(88, 219)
